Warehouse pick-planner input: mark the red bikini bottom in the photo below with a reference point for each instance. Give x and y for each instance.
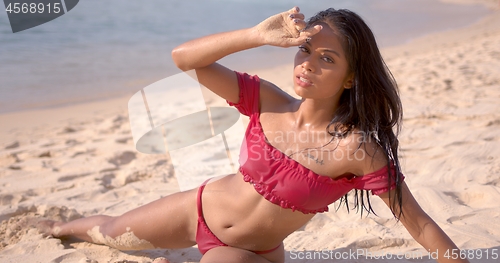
(204, 237)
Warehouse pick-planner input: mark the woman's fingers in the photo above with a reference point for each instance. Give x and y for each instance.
(307, 34)
(296, 15)
(294, 10)
(296, 19)
(299, 24)
(311, 31)
(286, 29)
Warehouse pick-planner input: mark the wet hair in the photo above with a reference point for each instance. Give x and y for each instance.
(372, 105)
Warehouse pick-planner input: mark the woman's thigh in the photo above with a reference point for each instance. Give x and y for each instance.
(169, 222)
(237, 255)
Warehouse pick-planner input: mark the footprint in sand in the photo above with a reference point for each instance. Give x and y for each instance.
(45, 154)
(455, 197)
(112, 180)
(124, 140)
(72, 142)
(117, 177)
(457, 143)
(477, 196)
(493, 179)
(493, 123)
(69, 130)
(90, 152)
(11, 199)
(454, 219)
(109, 126)
(123, 158)
(119, 121)
(9, 160)
(495, 182)
(72, 177)
(12, 145)
(378, 243)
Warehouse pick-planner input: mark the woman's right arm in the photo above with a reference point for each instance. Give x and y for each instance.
(201, 54)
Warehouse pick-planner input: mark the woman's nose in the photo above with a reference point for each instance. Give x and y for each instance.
(307, 65)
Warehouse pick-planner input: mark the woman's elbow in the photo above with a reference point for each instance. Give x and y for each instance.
(177, 57)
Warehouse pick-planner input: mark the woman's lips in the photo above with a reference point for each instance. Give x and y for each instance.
(303, 81)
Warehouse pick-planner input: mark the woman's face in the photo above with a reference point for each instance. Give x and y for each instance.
(321, 69)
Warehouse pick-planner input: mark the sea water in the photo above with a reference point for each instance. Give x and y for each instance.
(103, 49)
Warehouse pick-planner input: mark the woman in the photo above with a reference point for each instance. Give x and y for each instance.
(298, 155)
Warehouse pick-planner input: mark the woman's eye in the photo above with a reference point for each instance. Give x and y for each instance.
(327, 59)
(303, 49)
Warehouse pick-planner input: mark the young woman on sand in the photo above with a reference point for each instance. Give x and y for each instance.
(298, 156)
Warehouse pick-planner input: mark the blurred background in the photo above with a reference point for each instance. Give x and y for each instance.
(105, 49)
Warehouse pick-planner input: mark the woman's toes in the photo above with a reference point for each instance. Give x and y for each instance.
(48, 227)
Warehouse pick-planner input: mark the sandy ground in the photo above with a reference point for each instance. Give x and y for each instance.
(81, 160)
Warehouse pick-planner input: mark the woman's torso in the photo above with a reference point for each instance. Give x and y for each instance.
(239, 216)
(242, 217)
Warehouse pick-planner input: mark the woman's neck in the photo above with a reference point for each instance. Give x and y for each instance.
(314, 114)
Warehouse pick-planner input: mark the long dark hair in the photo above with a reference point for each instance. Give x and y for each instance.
(372, 105)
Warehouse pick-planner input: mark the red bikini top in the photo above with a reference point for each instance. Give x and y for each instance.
(282, 180)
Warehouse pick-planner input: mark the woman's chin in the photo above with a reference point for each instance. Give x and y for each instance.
(301, 92)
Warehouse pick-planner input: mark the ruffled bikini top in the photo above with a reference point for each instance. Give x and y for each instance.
(282, 180)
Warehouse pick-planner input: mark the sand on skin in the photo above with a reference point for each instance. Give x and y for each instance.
(78, 161)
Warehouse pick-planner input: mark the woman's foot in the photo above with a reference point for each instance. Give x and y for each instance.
(49, 227)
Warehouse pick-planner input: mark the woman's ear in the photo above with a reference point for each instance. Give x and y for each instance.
(349, 81)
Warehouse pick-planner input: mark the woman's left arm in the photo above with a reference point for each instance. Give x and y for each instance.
(422, 228)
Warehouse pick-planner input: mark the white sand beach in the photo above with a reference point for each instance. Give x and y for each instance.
(68, 162)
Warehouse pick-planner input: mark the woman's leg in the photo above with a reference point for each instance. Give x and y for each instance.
(169, 222)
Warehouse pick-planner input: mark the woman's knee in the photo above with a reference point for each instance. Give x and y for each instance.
(109, 227)
(113, 232)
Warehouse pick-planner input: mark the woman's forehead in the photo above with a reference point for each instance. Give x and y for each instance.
(328, 37)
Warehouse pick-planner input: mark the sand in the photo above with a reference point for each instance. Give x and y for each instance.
(69, 162)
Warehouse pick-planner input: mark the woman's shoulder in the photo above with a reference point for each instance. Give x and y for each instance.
(273, 98)
(363, 154)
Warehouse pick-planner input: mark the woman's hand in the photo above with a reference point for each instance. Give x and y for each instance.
(421, 227)
(285, 29)
(282, 30)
